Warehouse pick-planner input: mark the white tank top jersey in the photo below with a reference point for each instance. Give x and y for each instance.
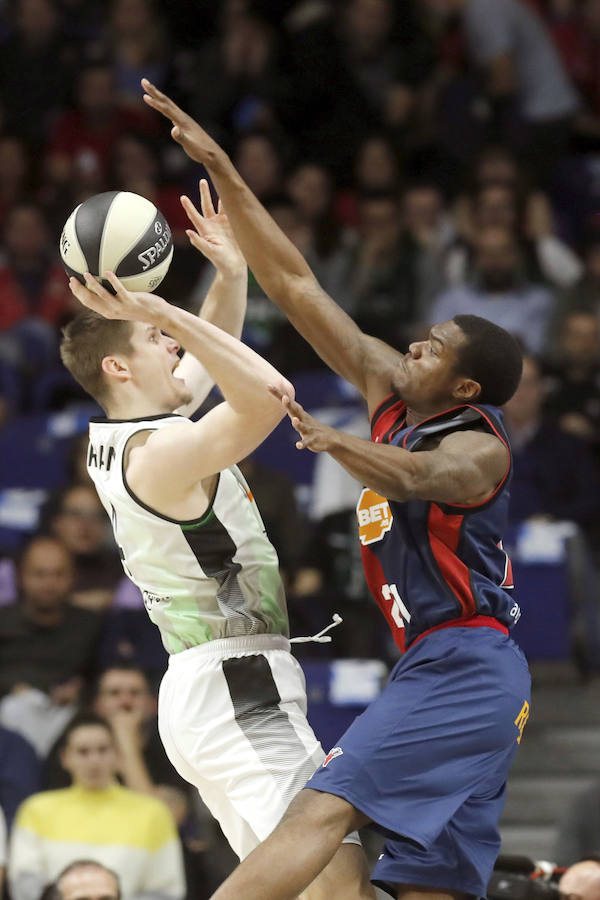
(212, 577)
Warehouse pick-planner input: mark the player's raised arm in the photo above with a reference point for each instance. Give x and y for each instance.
(179, 457)
(225, 302)
(279, 267)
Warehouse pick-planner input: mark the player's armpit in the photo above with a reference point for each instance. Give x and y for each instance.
(464, 470)
(173, 460)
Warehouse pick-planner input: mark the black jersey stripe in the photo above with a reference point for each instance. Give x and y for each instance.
(267, 727)
(89, 227)
(212, 545)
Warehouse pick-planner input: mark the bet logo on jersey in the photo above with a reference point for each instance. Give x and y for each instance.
(374, 517)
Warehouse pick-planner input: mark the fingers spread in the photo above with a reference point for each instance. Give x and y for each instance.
(206, 201)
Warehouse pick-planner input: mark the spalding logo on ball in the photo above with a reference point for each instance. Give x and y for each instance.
(120, 232)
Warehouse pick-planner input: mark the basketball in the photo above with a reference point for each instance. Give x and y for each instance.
(120, 232)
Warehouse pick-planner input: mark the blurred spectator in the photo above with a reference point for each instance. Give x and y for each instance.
(554, 474)
(46, 645)
(36, 67)
(95, 818)
(582, 879)
(78, 519)
(136, 167)
(532, 101)
(501, 204)
(577, 37)
(573, 377)
(19, 772)
(383, 276)
(376, 169)
(285, 526)
(251, 85)
(34, 290)
(86, 879)
(15, 173)
(310, 186)
(499, 290)
(122, 697)
(81, 140)
(138, 45)
(429, 231)
(259, 163)
(586, 293)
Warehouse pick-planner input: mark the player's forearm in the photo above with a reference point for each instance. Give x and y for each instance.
(225, 303)
(285, 276)
(389, 471)
(241, 374)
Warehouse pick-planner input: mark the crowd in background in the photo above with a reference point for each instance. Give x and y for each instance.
(429, 158)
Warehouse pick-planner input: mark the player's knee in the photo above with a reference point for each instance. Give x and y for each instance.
(326, 812)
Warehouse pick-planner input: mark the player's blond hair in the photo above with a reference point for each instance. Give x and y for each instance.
(86, 340)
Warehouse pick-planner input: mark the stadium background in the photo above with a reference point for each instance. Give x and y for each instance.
(422, 170)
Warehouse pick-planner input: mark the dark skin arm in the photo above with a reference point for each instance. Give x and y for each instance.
(280, 268)
(464, 468)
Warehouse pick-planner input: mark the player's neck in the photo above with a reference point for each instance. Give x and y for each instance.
(135, 407)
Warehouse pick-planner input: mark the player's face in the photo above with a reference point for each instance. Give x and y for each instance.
(153, 366)
(426, 378)
(90, 757)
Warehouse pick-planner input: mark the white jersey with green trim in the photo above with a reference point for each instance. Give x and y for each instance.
(212, 577)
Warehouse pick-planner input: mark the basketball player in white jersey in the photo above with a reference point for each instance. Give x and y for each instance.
(232, 705)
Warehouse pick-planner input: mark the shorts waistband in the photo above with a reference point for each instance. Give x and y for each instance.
(224, 647)
(471, 622)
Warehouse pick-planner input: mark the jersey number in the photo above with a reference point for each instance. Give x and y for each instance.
(400, 614)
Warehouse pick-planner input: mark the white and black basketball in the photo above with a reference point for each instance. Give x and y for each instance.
(118, 232)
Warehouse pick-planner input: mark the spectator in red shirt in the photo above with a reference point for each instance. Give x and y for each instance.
(34, 293)
(81, 141)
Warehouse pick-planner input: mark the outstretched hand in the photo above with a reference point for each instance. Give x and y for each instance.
(314, 435)
(131, 306)
(198, 145)
(212, 234)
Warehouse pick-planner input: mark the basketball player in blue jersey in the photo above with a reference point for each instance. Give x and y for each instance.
(232, 704)
(427, 762)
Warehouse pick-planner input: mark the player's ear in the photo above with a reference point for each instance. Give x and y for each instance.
(116, 368)
(466, 390)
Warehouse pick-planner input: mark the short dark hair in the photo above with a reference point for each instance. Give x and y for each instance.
(84, 720)
(491, 356)
(86, 340)
(124, 665)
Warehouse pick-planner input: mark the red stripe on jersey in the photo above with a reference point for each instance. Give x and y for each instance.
(385, 421)
(444, 534)
(375, 577)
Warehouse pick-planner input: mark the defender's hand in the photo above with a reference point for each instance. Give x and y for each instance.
(213, 235)
(314, 435)
(131, 306)
(198, 145)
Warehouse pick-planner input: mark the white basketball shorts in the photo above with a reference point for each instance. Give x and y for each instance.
(232, 718)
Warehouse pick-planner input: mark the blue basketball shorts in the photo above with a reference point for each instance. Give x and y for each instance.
(427, 761)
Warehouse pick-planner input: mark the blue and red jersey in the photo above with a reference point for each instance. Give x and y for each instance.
(431, 565)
